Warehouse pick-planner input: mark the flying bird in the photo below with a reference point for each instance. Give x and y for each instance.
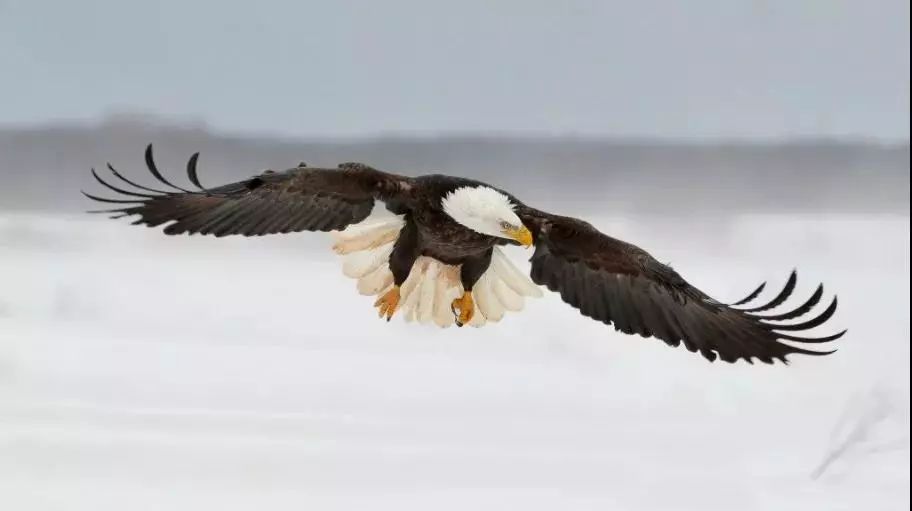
(431, 250)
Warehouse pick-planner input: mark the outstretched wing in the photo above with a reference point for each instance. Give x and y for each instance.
(298, 199)
(618, 283)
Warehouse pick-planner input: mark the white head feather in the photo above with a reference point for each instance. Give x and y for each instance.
(482, 209)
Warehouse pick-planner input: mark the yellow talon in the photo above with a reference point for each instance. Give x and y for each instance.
(464, 308)
(388, 303)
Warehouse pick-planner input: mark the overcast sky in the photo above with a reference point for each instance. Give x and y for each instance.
(697, 68)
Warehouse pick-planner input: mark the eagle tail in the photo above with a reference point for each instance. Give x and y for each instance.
(432, 286)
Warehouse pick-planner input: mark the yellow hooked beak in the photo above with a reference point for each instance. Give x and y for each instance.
(522, 235)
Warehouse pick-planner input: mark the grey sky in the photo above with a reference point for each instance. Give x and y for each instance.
(698, 68)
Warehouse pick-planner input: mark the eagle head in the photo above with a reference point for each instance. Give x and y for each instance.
(487, 211)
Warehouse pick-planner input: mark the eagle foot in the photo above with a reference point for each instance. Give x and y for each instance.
(463, 308)
(388, 303)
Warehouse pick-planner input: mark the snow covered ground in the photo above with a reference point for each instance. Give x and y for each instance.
(144, 372)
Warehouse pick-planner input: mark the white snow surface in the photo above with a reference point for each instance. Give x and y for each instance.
(145, 372)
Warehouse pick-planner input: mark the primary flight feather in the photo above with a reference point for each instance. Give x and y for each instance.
(437, 259)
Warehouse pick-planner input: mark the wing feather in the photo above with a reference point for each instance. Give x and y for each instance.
(298, 199)
(620, 284)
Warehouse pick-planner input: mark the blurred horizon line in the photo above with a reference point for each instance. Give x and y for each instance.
(141, 120)
(45, 164)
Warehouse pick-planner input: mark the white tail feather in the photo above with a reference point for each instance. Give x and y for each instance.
(511, 276)
(487, 301)
(510, 300)
(375, 282)
(359, 264)
(431, 287)
(445, 293)
(424, 310)
(371, 233)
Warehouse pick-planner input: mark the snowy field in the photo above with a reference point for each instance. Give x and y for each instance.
(141, 372)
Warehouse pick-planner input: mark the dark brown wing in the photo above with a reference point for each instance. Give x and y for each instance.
(298, 199)
(620, 284)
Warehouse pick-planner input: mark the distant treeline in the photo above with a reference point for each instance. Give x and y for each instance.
(45, 167)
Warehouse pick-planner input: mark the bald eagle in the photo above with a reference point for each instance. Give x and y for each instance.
(436, 254)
